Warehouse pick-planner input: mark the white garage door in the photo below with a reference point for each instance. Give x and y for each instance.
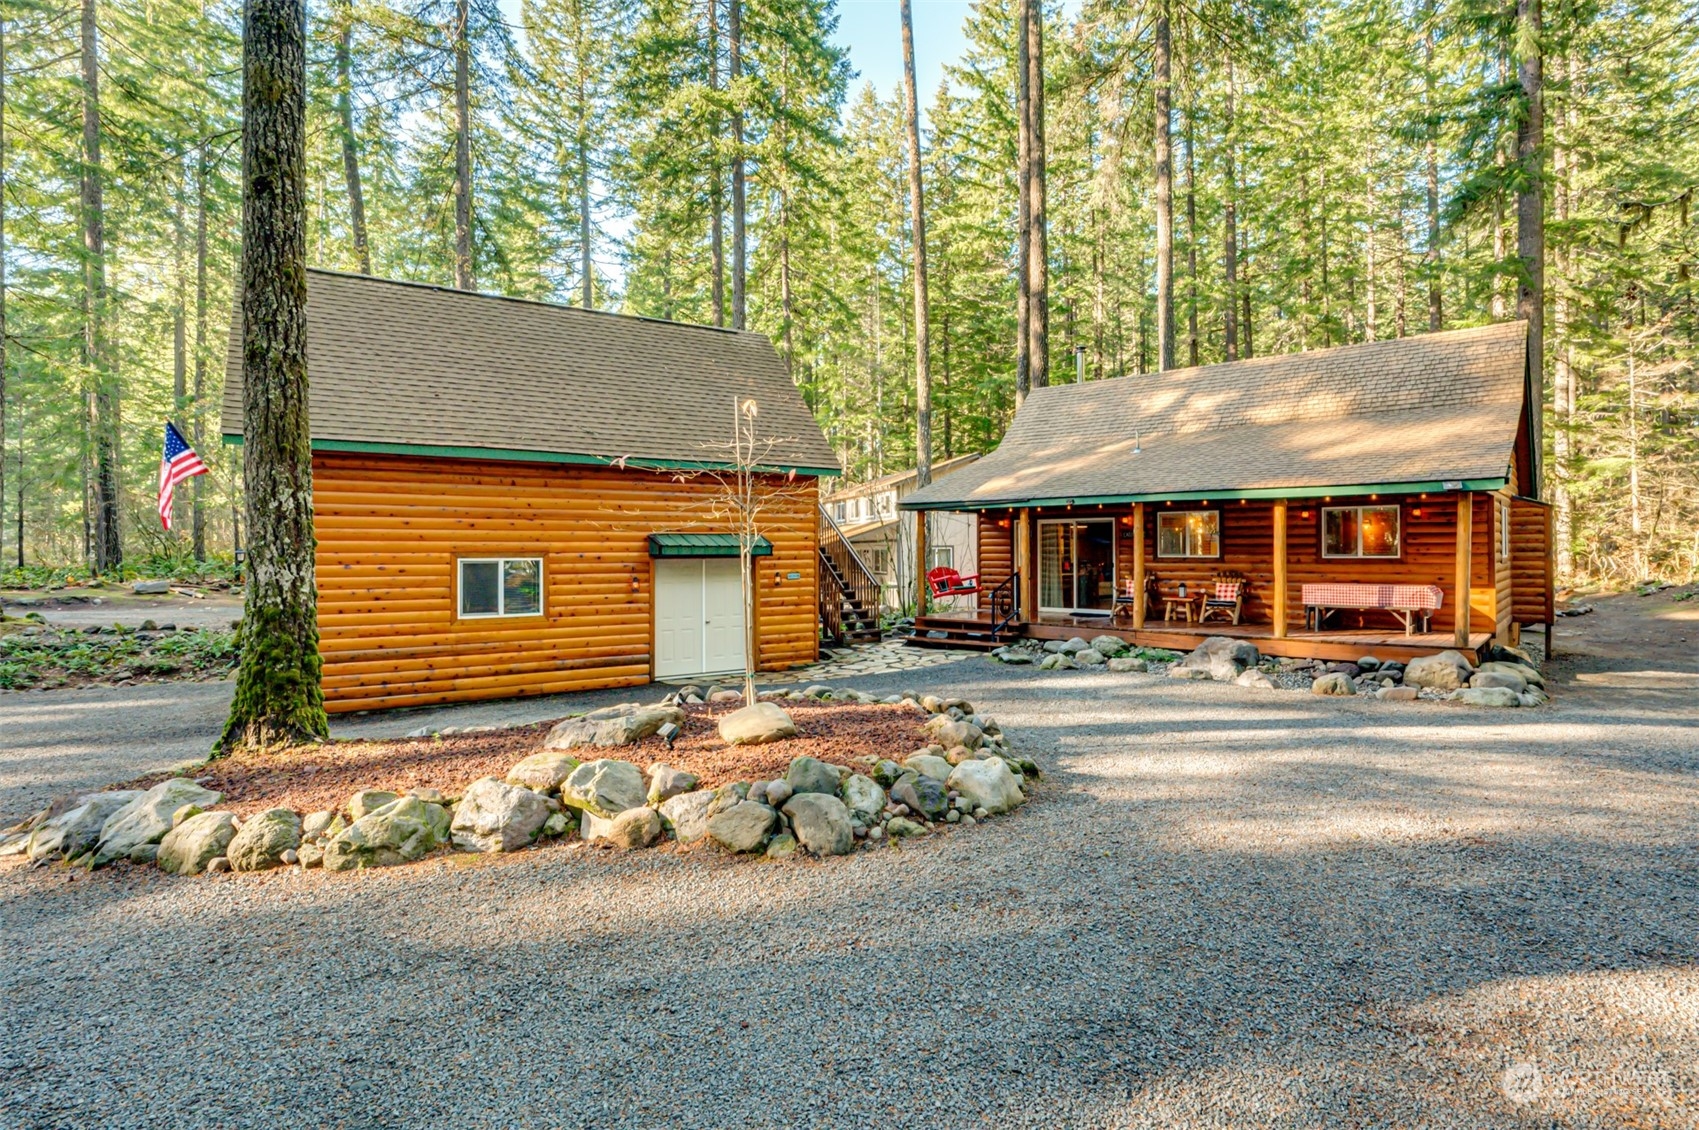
(698, 617)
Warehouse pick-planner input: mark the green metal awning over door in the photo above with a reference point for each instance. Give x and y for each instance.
(703, 545)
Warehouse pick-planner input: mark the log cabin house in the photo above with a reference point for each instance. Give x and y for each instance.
(509, 500)
(1379, 498)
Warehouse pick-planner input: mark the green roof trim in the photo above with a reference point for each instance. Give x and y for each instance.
(1353, 490)
(515, 455)
(704, 545)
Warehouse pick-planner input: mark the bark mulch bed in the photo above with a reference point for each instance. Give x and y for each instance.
(324, 777)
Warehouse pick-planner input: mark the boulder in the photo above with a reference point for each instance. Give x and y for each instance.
(367, 801)
(1196, 674)
(987, 784)
(1251, 677)
(1074, 646)
(901, 827)
(948, 732)
(742, 827)
(196, 842)
(1486, 696)
(821, 823)
(666, 782)
(922, 794)
(1399, 694)
(146, 818)
(1090, 657)
(1446, 671)
(1525, 672)
(317, 827)
(1122, 664)
(1222, 658)
(863, 796)
(776, 792)
(807, 775)
(887, 772)
(151, 588)
(612, 726)
(69, 834)
(781, 846)
(686, 815)
(543, 771)
(757, 724)
(1334, 683)
(1367, 663)
(928, 765)
(1505, 679)
(497, 816)
(400, 832)
(634, 828)
(1056, 661)
(1109, 646)
(725, 694)
(604, 787)
(817, 691)
(259, 845)
(1014, 656)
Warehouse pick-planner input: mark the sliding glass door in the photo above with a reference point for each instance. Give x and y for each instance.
(1076, 566)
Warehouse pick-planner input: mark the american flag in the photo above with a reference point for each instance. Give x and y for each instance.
(179, 463)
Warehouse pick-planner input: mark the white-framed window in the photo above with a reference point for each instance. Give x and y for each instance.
(879, 561)
(500, 586)
(1360, 531)
(840, 514)
(1188, 533)
(1504, 529)
(940, 557)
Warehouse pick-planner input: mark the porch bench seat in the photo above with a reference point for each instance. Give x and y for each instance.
(1409, 603)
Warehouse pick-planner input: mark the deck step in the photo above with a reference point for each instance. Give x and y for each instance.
(968, 635)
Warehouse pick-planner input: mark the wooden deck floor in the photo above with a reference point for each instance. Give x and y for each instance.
(1178, 635)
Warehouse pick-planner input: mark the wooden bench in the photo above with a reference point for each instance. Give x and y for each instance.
(1409, 603)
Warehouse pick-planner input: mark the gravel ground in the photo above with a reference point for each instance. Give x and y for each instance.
(1223, 909)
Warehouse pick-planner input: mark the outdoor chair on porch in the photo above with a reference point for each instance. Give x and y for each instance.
(1227, 600)
(1127, 598)
(944, 583)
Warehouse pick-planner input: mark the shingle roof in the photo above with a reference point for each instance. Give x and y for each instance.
(1434, 408)
(899, 478)
(409, 365)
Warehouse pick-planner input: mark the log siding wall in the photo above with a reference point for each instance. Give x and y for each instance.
(390, 529)
(1428, 555)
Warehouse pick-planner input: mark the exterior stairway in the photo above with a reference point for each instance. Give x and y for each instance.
(856, 622)
(956, 632)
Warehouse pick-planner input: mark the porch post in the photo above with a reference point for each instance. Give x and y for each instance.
(1465, 546)
(1028, 594)
(920, 588)
(1139, 609)
(1280, 569)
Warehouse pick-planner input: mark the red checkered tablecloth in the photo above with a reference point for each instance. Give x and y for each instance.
(1402, 597)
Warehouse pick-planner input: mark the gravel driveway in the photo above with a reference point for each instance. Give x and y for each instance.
(1223, 909)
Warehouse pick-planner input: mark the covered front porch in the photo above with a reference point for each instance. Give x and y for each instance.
(973, 629)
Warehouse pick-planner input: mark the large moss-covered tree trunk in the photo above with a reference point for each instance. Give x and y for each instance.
(278, 697)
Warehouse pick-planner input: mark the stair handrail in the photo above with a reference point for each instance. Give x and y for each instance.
(1000, 601)
(863, 585)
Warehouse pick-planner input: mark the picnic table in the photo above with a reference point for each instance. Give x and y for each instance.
(1409, 603)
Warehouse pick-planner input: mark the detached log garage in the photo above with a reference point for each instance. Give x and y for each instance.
(509, 496)
(1370, 499)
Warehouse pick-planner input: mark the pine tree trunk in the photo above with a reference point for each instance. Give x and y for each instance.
(586, 265)
(734, 46)
(1164, 194)
(922, 325)
(197, 514)
(1023, 207)
(716, 191)
(278, 698)
(1435, 299)
(1192, 344)
(1369, 312)
(179, 338)
(1530, 211)
(350, 154)
(1038, 269)
(463, 274)
(3, 46)
(1563, 374)
(108, 542)
(1230, 218)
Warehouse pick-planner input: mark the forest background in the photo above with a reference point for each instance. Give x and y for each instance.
(1340, 171)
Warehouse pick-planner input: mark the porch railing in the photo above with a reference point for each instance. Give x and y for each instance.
(1001, 603)
(846, 579)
